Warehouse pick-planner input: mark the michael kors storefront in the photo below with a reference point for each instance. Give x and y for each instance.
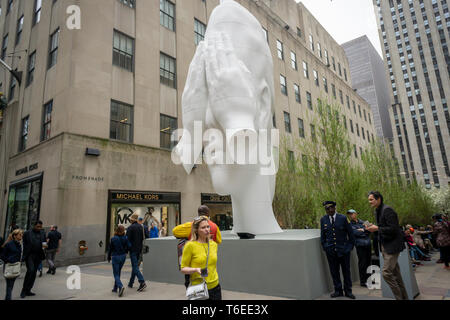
(165, 208)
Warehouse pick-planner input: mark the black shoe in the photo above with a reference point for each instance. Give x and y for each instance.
(350, 295)
(142, 286)
(49, 271)
(130, 286)
(114, 290)
(363, 285)
(121, 290)
(40, 273)
(336, 294)
(23, 295)
(30, 294)
(53, 271)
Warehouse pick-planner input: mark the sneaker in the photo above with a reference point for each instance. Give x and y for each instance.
(121, 290)
(142, 286)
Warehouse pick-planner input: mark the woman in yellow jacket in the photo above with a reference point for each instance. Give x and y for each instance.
(195, 256)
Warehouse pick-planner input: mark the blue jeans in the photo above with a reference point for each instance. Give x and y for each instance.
(135, 272)
(117, 264)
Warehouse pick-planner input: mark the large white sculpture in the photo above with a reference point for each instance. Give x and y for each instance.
(230, 88)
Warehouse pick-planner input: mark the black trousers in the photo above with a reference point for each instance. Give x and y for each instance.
(32, 262)
(215, 294)
(445, 251)
(336, 263)
(364, 261)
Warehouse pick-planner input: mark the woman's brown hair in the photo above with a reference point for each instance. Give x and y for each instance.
(120, 230)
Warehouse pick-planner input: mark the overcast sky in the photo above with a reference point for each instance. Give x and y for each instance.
(346, 20)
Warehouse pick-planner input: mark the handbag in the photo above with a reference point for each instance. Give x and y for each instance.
(199, 291)
(12, 270)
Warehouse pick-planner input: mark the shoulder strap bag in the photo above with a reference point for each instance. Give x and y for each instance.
(12, 270)
(199, 291)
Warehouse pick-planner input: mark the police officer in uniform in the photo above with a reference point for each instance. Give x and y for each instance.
(337, 239)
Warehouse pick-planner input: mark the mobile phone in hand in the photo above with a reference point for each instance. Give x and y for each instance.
(204, 272)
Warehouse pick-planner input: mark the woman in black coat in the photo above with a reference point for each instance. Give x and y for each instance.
(12, 253)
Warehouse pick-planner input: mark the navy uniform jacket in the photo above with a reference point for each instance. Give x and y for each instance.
(339, 238)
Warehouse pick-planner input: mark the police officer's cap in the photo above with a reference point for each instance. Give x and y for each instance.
(328, 204)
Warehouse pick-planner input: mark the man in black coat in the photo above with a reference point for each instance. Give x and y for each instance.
(136, 236)
(33, 254)
(337, 240)
(391, 242)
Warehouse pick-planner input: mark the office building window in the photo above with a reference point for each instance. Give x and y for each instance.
(19, 29)
(24, 134)
(356, 151)
(37, 11)
(4, 46)
(309, 100)
(287, 122)
(357, 129)
(339, 69)
(333, 90)
(266, 34)
(311, 42)
(47, 121)
(280, 51)
(351, 126)
(327, 60)
(9, 6)
(167, 70)
(334, 63)
(293, 60)
(54, 44)
(305, 70)
(297, 93)
(359, 109)
(341, 97)
(291, 161)
(121, 126)
(128, 3)
(283, 84)
(345, 121)
(167, 14)
(12, 88)
(313, 132)
(325, 84)
(168, 126)
(319, 50)
(345, 74)
(199, 31)
(316, 77)
(31, 67)
(123, 51)
(301, 128)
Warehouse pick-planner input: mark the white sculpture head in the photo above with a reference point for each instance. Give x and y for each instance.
(230, 89)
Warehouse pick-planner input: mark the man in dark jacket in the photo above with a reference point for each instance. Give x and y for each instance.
(337, 240)
(54, 243)
(33, 253)
(135, 235)
(362, 244)
(391, 241)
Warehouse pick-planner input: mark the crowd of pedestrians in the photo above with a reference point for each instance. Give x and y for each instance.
(30, 247)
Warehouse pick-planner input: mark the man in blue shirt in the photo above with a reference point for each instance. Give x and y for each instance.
(363, 246)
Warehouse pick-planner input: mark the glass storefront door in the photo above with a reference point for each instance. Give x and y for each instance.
(24, 201)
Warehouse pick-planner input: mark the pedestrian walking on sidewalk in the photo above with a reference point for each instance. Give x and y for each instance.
(442, 231)
(54, 244)
(392, 242)
(34, 243)
(136, 237)
(12, 253)
(118, 249)
(200, 258)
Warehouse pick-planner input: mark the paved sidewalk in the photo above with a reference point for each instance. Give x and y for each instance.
(97, 282)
